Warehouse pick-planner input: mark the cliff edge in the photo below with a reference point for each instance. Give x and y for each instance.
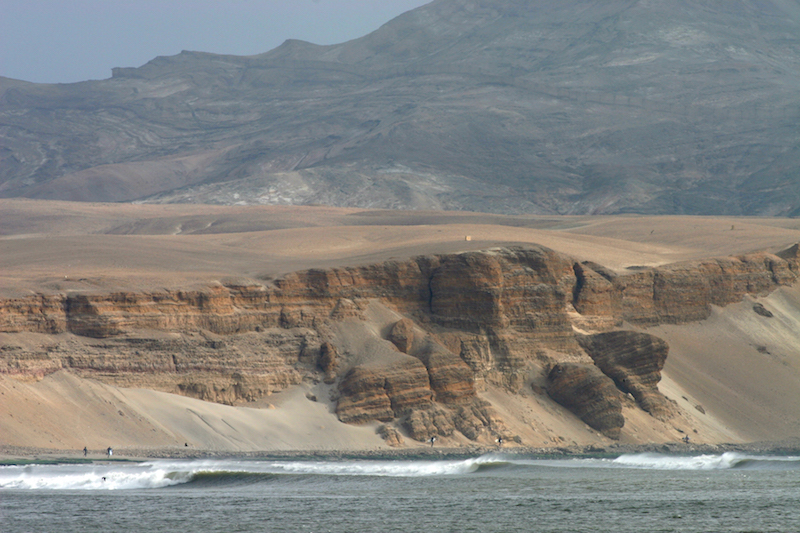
(500, 345)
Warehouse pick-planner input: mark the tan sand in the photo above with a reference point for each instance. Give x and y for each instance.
(62, 246)
(66, 412)
(741, 369)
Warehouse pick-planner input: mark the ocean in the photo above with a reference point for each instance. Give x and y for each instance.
(491, 493)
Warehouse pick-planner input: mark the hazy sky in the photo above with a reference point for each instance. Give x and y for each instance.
(62, 41)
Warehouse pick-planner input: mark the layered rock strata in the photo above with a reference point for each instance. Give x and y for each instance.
(525, 289)
(384, 391)
(222, 369)
(428, 388)
(590, 394)
(681, 292)
(634, 361)
(497, 316)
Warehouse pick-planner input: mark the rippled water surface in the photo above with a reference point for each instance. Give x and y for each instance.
(729, 492)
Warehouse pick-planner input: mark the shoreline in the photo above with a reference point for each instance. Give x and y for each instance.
(16, 455)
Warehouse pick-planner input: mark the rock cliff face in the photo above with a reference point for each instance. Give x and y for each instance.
(384, 392)
(634, 361)
(221, 369)
(682, 292)
(590, 394)
(499, 316)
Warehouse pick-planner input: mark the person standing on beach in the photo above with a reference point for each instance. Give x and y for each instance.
(433, 439)
(109, 451)
(85, 451)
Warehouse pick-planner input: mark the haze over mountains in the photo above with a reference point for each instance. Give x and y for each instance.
(572, 107)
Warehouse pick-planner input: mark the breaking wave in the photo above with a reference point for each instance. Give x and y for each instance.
(725, 461)
(76, 477)
(215, 473)
(162, 474)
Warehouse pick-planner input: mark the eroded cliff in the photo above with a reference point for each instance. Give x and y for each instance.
(436, 331)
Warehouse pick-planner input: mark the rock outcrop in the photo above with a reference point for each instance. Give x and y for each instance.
(590, 394)
(327, 361)
(384, 391)
(402, 335)
(681, 292)
(413, 384)
(479, 418)
(524, 289)
(227, 369)
(634, 361)
(392, 437)
(466, 320)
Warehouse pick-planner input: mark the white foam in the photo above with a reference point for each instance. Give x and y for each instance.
(88, 477)
(158, 474)
(674, 462)
(380, 468)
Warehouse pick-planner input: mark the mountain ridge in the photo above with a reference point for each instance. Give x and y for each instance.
(685, 107)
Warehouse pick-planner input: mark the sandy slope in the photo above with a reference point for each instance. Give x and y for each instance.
(741, 368)
(66, 412)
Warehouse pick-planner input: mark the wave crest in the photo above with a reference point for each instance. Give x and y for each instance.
(725, 461)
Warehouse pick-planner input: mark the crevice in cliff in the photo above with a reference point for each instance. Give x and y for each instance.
(580, 282)
(429, 295)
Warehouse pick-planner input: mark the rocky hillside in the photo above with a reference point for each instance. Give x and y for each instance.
(508, 106)
(408, 343)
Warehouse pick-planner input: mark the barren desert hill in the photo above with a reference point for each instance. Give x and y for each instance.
(672, 107)
(248, 328)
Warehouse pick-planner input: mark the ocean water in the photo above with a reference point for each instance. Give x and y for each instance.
(491, 493)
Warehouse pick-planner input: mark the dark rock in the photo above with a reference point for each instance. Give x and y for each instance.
(422, 424)
(590, 394)
(392, 437)
(402, 335)
(327, 361)
(763, 311)
(634, 361)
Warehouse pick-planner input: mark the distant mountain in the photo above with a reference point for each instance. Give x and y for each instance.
(669, 106)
